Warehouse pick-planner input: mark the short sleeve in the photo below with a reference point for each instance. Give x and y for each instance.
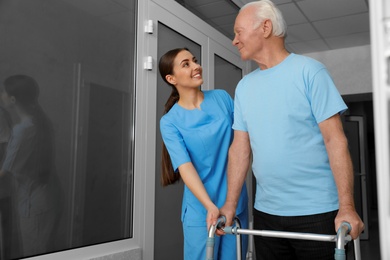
(326, 100)
(174, 143)
(20, 135)
(239, 123)
(227, 99)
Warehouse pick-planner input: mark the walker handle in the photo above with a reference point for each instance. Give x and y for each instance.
(342, 236)
(211, 238)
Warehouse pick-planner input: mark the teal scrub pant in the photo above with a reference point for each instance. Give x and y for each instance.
(195, 238)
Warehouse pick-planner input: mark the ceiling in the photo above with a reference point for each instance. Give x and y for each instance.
(312, 25)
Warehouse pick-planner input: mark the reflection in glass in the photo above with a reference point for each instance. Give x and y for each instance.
(70, 161)
(5, 188)
(29, 163)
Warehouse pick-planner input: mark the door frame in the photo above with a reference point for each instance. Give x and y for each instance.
(380, 50)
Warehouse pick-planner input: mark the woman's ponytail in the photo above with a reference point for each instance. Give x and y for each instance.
(168, 175)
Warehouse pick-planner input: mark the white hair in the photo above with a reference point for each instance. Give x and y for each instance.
(265, 9)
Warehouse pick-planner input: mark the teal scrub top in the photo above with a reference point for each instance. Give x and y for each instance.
(202, 136)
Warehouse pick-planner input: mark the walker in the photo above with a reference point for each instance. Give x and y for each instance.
(341, 238)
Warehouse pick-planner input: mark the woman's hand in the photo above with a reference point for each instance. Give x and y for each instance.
(212, 216)
(191, 178)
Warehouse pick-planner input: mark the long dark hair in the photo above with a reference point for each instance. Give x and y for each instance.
(25, 90)
(168, 175)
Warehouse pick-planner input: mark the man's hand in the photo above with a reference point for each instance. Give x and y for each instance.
(349, 215)
(229, 211)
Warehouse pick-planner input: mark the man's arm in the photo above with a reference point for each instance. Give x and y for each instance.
(341, 164)
(238, 164)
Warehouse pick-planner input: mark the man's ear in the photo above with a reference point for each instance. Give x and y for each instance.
(170, 79)
(267, 28)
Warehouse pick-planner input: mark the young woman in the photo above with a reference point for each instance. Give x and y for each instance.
(29, 160)
(197, 132)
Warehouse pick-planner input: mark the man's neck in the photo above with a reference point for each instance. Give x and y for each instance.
(272, 54)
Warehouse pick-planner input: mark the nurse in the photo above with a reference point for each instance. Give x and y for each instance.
(197, 131)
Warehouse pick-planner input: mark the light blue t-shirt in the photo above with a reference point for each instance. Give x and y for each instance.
(281, 108)
(202, 136)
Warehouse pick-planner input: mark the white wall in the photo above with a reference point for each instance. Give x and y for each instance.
(350, 68)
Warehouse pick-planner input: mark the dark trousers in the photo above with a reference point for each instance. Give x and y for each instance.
(294, 249)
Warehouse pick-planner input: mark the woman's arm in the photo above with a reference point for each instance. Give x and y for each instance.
(191, 178)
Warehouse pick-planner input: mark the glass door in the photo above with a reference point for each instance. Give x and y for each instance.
(74, 179)
(168, 203)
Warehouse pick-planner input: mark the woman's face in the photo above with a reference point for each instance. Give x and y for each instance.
(187, 72)
(6, 100)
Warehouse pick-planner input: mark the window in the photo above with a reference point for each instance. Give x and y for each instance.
(227, 75)
(77, 185)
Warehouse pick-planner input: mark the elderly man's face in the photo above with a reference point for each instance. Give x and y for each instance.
(248, 38)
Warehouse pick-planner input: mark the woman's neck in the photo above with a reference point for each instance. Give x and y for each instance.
(191, 99)
(22, 114)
